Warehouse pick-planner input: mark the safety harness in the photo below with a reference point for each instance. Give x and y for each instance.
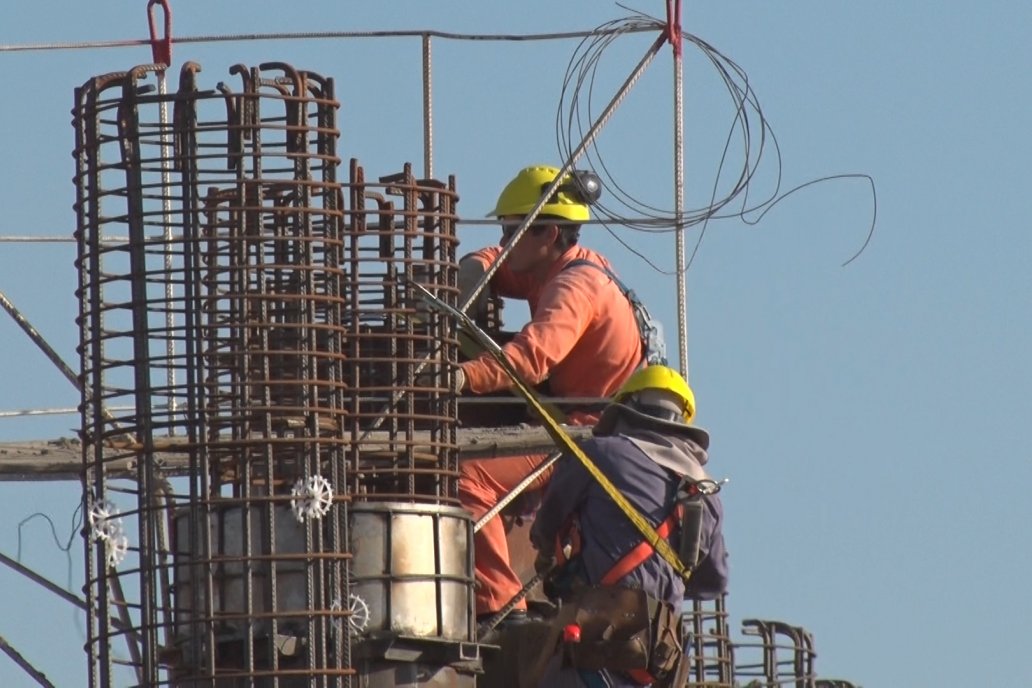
(657, 661)
(639, 554)
(653, 346)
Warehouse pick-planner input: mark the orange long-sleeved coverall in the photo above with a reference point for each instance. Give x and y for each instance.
(582, 338)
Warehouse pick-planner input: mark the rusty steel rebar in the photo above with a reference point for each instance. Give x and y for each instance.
(400, 229)
(708, 651)
(24, 664)
(259, 313)
(786, 654)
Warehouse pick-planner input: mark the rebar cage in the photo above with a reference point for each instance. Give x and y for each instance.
(783, 655)
(709, 651)
(257, 318)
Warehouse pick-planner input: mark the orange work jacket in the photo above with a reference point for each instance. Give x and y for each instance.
(582, 336)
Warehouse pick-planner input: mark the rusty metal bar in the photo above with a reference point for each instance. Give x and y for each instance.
(428, 110)
(254, 320)
(38, 339)
(93, 117)
(776, 639)
(312, 35)
(37, 675)
(412, 238)
(709, 651)
(46, 583)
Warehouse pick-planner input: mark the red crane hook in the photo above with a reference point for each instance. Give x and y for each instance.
(673, 27)
(161, 48)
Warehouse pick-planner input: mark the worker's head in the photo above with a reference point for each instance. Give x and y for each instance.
(657, 398)
(557, 226)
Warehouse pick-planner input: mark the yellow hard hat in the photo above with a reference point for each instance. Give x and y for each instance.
(524, 191)
(659, 377)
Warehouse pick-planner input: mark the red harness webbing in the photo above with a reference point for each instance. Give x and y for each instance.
(632, 560)
(637, 556)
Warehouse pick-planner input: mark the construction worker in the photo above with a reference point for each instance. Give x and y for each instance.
(644, 444)
(583, 338)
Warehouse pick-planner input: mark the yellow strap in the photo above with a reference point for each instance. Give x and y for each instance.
(559, 435)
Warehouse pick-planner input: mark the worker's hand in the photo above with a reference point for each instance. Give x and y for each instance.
(429, 378)
(544, 562)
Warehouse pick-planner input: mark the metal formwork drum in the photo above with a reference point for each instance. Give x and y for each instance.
(237, 566)
(413, 569)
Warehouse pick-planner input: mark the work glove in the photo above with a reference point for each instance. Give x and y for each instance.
(429, 378)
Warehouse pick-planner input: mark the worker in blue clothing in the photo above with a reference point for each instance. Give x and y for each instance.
(607, 573)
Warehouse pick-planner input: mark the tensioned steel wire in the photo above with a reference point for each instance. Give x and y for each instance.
(682, 287)
(301, 35)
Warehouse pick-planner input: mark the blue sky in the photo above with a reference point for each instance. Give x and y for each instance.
(872, 417)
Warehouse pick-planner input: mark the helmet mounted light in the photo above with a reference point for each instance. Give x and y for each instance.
(583, 186)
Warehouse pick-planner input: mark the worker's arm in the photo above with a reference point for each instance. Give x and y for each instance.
(710, 578)
(564, 312)
(567, 489)
(504, 281)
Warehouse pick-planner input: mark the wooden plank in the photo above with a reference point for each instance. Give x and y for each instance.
(61, 459)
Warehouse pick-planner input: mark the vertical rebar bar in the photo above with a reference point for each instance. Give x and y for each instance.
(290, 327)
(682, 277)
(166, 217)
(428, 111)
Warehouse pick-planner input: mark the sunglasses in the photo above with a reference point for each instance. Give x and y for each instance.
(509, 229)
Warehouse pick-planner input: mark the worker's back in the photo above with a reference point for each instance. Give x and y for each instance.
(583, 337)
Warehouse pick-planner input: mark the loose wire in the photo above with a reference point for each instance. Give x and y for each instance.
(749, 127)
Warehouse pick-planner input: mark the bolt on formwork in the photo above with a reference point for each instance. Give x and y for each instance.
(248, 319)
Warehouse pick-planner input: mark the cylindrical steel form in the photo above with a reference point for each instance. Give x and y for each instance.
(273, 340)
(412, 570)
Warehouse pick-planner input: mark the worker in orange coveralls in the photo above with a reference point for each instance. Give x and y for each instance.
(582, 338)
